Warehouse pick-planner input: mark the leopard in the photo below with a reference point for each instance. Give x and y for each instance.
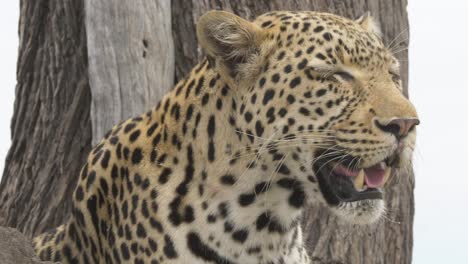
(290, 110)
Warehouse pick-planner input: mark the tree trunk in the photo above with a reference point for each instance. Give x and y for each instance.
(51, 128)
(131, 58)
(64, 102)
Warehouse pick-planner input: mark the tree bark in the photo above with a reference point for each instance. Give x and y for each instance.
(15, 248)
(51, 129)
(131, 58)
(85, 65)
(64, 103)
(328, 239)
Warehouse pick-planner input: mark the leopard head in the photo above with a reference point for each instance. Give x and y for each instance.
(323, 89)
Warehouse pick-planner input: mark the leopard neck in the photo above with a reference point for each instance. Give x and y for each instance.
(236, 178)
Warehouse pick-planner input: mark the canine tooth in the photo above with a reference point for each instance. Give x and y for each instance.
(388, 171)
(359, 181)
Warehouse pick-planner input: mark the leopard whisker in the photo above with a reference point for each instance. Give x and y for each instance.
(390, 45)
(275, 173)
(255, 151)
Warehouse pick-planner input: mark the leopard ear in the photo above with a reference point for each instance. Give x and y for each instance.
(228, 37)
(369, 23)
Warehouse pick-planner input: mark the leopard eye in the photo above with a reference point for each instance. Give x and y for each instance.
(344, 75)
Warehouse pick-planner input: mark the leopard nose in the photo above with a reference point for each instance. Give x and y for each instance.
(399, 127)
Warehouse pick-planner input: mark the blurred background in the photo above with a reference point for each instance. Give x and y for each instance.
(438, 86)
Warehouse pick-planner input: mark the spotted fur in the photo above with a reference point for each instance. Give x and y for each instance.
(221, 169)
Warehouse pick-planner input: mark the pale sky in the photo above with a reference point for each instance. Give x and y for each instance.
(439, 89)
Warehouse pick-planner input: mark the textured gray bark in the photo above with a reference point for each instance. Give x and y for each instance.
(51, 129)
(131, 64)
(329, 240)
(131, 58)
(15, 248)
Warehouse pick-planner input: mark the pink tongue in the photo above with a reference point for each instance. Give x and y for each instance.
(375, 175)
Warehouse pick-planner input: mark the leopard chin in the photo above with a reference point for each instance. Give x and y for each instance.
(362, 212)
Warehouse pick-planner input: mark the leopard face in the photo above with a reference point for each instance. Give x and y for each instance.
(325, 93)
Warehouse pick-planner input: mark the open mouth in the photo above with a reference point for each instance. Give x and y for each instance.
(340, 182)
